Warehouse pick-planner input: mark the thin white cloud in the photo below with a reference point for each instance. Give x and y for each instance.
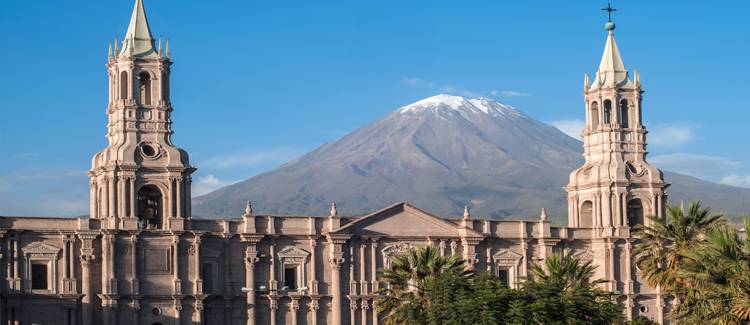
(670, 135)
(207, 184)
(417, 82)
(712, 168)
(252, 158)
(571, 127)
(737, 180)
(513, 93)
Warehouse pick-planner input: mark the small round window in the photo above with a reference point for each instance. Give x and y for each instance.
(148, 150)
(643, 309)
(156, 311)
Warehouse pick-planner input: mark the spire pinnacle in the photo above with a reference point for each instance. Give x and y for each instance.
(612, 72)
(334, 212)
(138, 40)
(467, 213)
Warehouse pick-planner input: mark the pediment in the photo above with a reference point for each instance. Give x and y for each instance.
(402, 220)
(293, 252)
(507, 257)
(40, 249)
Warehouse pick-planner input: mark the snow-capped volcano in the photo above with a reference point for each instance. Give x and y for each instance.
(440, 153)
(443, 102)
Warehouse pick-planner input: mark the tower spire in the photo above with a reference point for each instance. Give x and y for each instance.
(138, 39)
(612, 70)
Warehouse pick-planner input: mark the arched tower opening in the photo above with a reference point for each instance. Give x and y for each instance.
(607, 111)
(635, 212)
(624, 116)
(150, 208)
(144, 89)
(594, 115)
(586, 215)
(124, 85)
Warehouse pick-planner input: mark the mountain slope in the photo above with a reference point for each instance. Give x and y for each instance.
(439, 153)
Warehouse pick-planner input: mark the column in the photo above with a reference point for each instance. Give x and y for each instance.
(251, 257)
(274, 306)
(178, 196)
(87, 258)
(93, 213)
(363, 280)
(104, 199)
(170, 199)
(112, 196)
(352, 310)
(132, 198)
(314, 306)
(176, 264)
(335, 262)
(135, 307)
(374, 285)
(188, 208)
(293, 308)
(134, 283)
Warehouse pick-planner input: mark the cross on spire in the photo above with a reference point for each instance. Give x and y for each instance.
(609, 11)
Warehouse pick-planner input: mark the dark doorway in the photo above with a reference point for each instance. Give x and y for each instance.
(39, 277)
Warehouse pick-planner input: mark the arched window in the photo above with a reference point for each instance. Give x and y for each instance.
(144, 82)
(586, 215)
(124, 85)
(150, 208)
(594, 115)
(635, 212)
(607, 111)
(624, 116)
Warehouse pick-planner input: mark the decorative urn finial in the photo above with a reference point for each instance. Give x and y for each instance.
(334, 211)
(467, 213)
(543, 217)
(249, 209)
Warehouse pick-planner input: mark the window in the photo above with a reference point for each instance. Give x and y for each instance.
(586, 215)
(594, 115)
(164, 86)
(607, 111)
(504, 276)
(290, 278)
(144, 80)
(39, 277)
(624, 116)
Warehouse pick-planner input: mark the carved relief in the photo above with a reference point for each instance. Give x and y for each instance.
(389, 252)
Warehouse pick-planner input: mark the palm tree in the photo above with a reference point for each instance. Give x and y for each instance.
(716, 274)
(402, 299)
(661, 247)
(567, 270)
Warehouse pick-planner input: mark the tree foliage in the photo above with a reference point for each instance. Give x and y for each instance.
(426, 288)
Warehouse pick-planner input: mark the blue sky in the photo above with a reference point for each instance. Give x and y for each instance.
(256, 83)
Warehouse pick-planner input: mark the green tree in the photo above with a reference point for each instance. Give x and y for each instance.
(661, 247)
(403, 300)
(563, 293)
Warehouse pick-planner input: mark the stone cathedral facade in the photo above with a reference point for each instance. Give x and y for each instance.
(140, 257)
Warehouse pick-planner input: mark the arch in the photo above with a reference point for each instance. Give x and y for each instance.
(150, 207)
(144, 89)
(586, 215)
(624, 116)
(607, 111)
(124, 85)
(635, 212)
(594, 115)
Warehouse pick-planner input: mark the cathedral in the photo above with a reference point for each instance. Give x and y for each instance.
(140, 257)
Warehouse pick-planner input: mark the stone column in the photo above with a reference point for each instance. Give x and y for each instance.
(135, 307)
(374, 284)
(112, 196)
(352, 310)
(314, 306)
(132, 198)
(335, 261)
(293, 308)
(251, 258)
(178, 196)
(93, 212)
(274, 306)
(198, 313)
(87, 258)
(176, 264)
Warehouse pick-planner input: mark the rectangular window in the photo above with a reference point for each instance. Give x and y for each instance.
(290, 277)
(39, 277)
(207, 274)
(504, 277)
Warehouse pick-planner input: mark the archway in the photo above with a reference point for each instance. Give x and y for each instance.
(150, 208)
(586, 215)
(635, 212)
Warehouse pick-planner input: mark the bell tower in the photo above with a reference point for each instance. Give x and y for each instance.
(616, 187)
(141, 180)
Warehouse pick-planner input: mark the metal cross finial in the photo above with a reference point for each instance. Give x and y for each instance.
(609, 10)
